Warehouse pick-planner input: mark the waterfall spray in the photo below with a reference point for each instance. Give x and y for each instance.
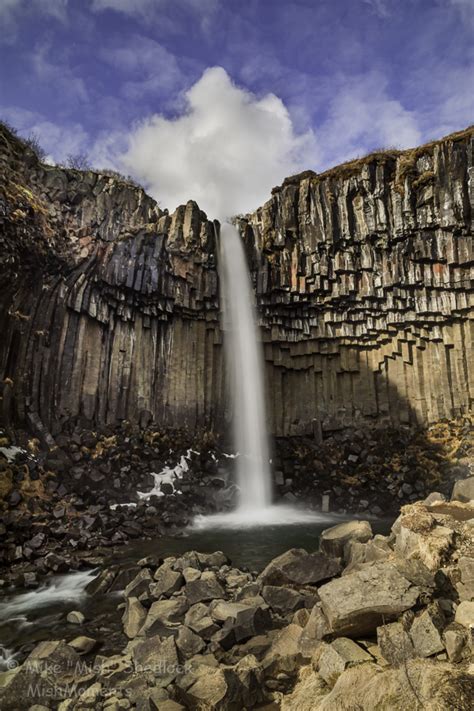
(245, 358)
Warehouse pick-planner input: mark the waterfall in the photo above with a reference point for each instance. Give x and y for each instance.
(245, 359)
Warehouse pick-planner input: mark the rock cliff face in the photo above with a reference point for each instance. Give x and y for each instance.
(109, 307)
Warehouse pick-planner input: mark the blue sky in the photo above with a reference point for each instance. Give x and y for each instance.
(145, 86)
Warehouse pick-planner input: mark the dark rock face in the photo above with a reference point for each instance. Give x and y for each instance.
(109, 309)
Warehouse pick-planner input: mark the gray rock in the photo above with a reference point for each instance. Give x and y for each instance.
(395, 643)
(164, 617)
(75, 617)
(465, 586)
(188, 642)
(199, 620)
(282, 599)
(463, 490)
(357, 603)
(159, 657)
(456, 642)
(333, 540)
(465, 614)
(334, 658)
(298, 567)
(82, 644)
(242, 619)
(166, 581)
(133, 617)
(426, 631)
(204, 589)
(140, 584)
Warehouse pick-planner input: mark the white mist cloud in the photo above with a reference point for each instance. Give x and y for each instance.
(226, 151)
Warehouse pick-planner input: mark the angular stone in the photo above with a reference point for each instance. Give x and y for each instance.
(164, 617)
(298, 567)
(284, 655)
(167, 581)
(358, 602)
(465, 586)
(140, 584)
(133, 617)
(159, 657)
(200, 621)
(283, 600)
(395, 643)
(334, 658)
(465, 614)
(188, 642)
(333, 540)
(426, 631)
(204, 589)
(463, 490)
(243, 619)
(456, 642)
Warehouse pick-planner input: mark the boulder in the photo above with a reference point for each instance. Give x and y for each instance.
(139, 585)
(83, 644)
(200, 621)
(159, 657)
(284, 600)
(75, 617)
(205, 589)
(298, 567)
(419, 537)
(465, 614)
(456, 642)
(164, 617)
(358, 602)
(284, 655)
(212, 560)
(243, 619)
(426, 631)
(395, 644)
(188, 642)
(463, 490)
(334, 658)
(314, 630)
(133, 617)
(333, 540)
(465, 585)
(166, 581)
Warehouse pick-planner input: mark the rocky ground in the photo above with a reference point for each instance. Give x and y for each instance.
(56, 502)
(367, 622)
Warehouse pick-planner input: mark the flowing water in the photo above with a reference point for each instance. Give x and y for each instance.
(245, 358)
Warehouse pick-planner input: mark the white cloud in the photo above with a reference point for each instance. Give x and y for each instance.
(363, 116)
(226, 151)
(150, 67)
(466, 9)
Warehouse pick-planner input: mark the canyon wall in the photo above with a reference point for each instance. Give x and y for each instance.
(109, 306)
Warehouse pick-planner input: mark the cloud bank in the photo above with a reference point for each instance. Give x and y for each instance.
(226, 151)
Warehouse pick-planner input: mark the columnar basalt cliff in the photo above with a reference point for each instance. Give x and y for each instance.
(109, 307)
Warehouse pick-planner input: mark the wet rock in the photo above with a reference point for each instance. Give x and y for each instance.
(75, 617)
(297, 567)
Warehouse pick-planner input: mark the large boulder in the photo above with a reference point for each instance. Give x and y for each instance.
(133, 617)
(298, 567)
(205, 589)
(358, 602)
(164, 617)
(418, 536)
(333, 540)
(242, 619)
(159, 657)
(334, 658)
(166, 581)
(463, 490)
